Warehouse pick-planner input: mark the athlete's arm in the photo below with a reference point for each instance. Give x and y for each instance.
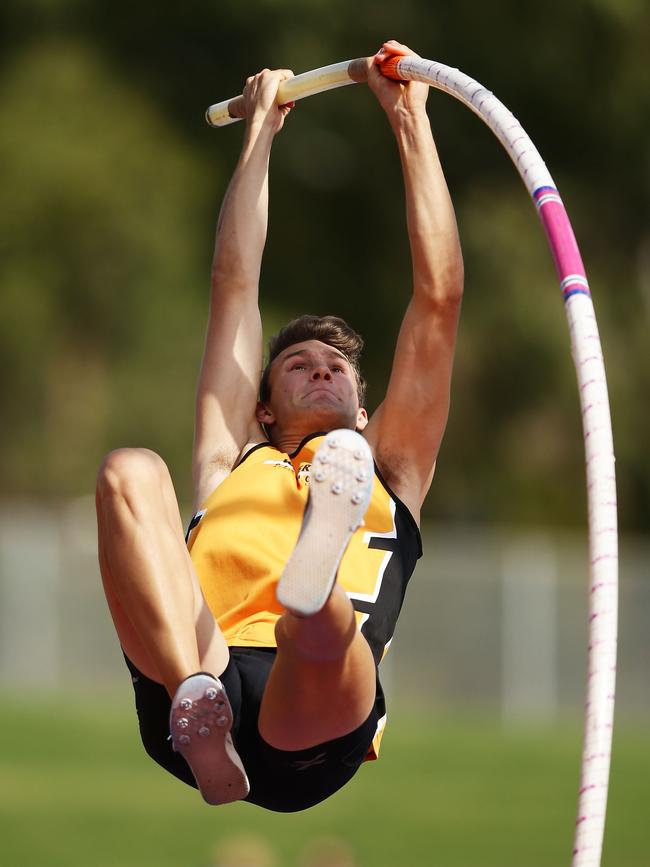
(232, 360)
(406, 430)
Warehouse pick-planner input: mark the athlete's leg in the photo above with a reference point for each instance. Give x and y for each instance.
(163, 622)
(322, 685)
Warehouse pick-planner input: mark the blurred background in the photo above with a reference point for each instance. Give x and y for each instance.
(111, 185)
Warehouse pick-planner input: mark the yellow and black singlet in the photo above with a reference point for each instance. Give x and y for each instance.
(244, 533)
(246, 530)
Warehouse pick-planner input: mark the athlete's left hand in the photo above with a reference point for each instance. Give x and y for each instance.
(260, 98)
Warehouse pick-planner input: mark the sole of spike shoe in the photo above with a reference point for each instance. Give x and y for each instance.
(200, 723)
(340, 487)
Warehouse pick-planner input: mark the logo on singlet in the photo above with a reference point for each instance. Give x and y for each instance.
(305, 764)
(283, 463)
(303, 473)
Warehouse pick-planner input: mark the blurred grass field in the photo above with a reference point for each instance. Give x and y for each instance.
(77, 789)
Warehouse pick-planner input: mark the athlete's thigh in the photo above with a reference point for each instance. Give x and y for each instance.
(307, 701)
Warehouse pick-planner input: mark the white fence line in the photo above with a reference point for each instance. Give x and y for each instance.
(494, 619)
(529, 631)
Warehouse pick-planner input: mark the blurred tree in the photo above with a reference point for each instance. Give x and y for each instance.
(99, 255)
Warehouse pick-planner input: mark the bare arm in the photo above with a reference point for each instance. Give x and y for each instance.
(232, 359)
(406, 430)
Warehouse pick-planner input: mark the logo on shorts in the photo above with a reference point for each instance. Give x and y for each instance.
(303, 765)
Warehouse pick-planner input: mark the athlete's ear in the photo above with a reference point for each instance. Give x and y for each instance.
(263, 414)
(362, 418)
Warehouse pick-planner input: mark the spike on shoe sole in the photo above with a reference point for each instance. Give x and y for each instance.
(200, 722)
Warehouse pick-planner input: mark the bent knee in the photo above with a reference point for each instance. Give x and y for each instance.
(128, 469)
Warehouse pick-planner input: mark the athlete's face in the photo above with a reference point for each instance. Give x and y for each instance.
(313, 387)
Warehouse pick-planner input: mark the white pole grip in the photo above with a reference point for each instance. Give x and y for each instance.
(305, 84)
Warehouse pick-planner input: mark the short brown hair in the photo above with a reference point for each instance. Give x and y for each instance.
(331, 330)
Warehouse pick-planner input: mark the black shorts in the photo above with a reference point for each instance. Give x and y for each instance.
(284, 781)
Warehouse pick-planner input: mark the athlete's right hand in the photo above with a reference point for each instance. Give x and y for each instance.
(400, 100)
(260, 97)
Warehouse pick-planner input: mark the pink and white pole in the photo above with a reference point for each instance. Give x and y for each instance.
(588, 359)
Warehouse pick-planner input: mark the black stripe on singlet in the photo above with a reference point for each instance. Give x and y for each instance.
(406, 549)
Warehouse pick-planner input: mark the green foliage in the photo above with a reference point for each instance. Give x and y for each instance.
(112, 183)
(99, 248)
(455, 793)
